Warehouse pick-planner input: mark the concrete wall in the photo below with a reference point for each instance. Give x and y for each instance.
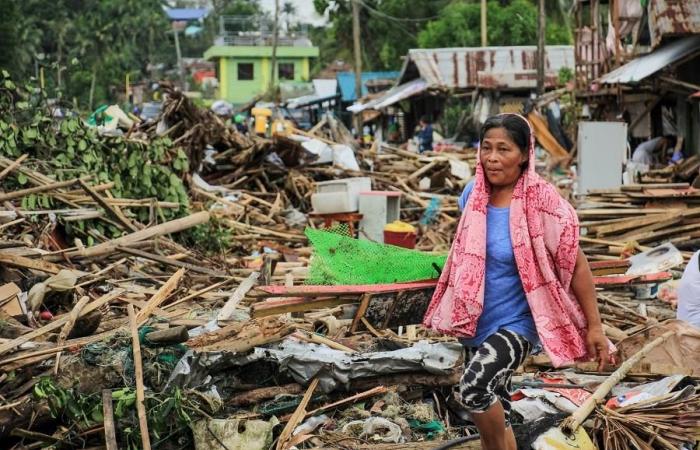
(242, 91)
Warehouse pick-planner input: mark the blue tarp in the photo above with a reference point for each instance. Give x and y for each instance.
(346, 82)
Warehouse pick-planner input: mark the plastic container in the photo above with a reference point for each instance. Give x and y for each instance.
(400, 234)
(339, 196)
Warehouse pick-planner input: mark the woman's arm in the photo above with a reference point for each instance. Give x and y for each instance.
(584, 289)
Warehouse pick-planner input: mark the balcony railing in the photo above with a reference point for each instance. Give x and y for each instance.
(258, 31)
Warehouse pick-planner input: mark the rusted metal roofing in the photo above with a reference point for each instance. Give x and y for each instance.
(485, 67)
(671, 18)
(642, 67)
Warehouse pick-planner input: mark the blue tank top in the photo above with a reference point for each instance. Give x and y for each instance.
(505, 304)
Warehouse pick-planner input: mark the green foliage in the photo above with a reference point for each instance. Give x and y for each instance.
(69, 404)
(565, 75)
(454, 118)
(384, 40)
(168, 413)
(514, 24)
(74, 40)
(67, 148)
(211, 238)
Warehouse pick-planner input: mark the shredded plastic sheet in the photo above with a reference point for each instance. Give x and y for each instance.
(233, 434)
(340, 259)
(334, 368)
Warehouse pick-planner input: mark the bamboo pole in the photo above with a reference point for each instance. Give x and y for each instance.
(571, 423)
(164, 228)
(138, 374)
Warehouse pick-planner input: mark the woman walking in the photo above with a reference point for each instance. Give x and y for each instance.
(515, 277)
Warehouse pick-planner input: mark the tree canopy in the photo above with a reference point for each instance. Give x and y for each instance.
(391, 27)
(515, 23)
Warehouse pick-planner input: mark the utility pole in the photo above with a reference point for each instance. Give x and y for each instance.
(358, 60)
(484, 38)
(273, 61)
(541, 25)
(178, 53)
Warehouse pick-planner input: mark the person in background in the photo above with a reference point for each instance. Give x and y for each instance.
(676, 155)
(502, 293)
(239, 121)
(648, 152)
(425, 135)
(689, 292)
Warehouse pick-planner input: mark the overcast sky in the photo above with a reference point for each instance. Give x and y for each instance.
(305, 10)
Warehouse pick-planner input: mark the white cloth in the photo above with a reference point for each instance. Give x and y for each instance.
(689, 292)
(644, 153)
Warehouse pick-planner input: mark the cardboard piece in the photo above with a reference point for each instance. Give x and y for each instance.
(9, 300)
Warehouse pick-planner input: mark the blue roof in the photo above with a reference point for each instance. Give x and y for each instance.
(346, 82)
(186, 14)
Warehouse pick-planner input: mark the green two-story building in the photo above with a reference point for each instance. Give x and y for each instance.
(243, 59)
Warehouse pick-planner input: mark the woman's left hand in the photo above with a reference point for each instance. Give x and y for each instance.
(598, 346)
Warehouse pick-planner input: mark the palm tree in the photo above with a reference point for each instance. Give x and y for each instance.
(288, 9)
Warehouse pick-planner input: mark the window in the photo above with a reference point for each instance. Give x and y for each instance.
(245, 71)
(285, 71)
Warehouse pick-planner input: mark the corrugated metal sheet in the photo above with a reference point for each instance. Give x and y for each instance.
(392, 96)
(640, 68)
(670, 18)
(485, 67)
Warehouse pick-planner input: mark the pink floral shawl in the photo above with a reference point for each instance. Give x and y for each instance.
(544, 231)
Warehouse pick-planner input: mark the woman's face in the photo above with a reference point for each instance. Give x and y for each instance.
(501, 158)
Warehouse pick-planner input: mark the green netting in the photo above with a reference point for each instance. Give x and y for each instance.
(340, 259)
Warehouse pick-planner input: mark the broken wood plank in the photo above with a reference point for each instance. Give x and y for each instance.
(230, 306)
(361, 310)
(379, 390)
(138, 375)
(159, 297)
(28, 263)
(295, 291)
(108, 414)
(299, 414)
(274, 306)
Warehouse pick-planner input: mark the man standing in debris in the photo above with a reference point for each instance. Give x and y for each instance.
(425, 135)
(515, 277)
(689, 292)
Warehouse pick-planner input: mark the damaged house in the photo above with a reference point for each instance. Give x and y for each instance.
(641, 64)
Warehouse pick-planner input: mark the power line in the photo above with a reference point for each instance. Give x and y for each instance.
(394, 18)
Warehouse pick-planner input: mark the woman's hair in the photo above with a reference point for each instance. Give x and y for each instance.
(516, 127)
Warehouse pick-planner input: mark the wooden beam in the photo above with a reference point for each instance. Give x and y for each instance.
(294, 291)
(138, 375)
(108, 414)
(276, 306)
(23, 262)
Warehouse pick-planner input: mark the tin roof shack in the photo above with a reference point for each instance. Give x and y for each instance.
(644, 74)
(503, 77)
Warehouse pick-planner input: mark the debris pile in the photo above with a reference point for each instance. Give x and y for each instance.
(180, 313)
